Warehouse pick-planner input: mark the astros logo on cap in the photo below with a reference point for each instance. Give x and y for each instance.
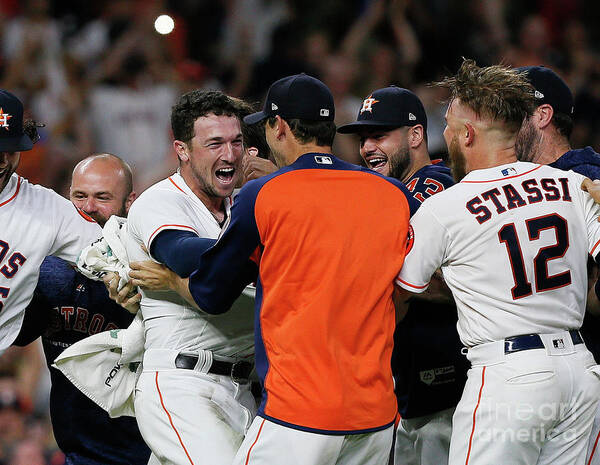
(4, 117)
(368, 104)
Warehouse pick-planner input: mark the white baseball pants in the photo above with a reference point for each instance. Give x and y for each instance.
(268, 443)
(424, 440)
(530, 407)
(188, 417)
(593, 453)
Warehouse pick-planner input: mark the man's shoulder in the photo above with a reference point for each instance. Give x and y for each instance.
(583, 161)
(163, 192)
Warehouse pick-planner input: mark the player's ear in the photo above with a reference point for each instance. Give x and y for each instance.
(416, 135)
(542, 116)
(130, 198)
(181, 149)
(468, 135)
(280, 126)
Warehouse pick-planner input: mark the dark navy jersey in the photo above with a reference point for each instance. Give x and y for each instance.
(429, 370)
(587, 162)
(67, 307)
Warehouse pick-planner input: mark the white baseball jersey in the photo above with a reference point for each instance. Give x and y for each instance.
(512, 242)
(35, 222)
(170, 323)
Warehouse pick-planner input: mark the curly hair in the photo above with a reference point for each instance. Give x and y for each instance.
(196, 104)
(497, 92)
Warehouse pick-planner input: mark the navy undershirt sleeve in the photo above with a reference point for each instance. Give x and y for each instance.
(179, 250)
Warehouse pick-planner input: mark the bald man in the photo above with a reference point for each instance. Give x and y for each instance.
(102, 186)
(68, 307)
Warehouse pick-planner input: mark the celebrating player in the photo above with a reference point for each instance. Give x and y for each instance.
(430, 372)
(544, 138)
(193, 403)
(512, 239)
(326, 254)
(67, 307)
(36, 222)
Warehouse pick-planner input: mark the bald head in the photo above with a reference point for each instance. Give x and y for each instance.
(102, 186)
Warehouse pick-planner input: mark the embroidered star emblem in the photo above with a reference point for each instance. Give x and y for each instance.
(4, 117)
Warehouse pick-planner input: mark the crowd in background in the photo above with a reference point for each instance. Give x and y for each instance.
(100, 78)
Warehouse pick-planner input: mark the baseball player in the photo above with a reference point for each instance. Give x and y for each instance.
(327, 239)
(512, 239)
(429, 370)
(193, 403)
(66, 307)
(544, 138)
(36, 222)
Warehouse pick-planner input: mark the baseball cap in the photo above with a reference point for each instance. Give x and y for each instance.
(550, 88)
(12, 137)
(299, 96)
(390, 107)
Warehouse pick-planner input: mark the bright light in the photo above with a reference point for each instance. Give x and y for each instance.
(164, 24)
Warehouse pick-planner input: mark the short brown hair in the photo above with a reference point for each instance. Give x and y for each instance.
(498, 92)
(320, 133)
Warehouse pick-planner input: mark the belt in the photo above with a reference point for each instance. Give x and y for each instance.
(534, 341)
(239, 371)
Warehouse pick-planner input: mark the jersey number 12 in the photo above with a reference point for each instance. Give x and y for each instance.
(543, 282)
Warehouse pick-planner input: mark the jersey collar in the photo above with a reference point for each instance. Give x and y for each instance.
(11, 190)
(500, 173)
(177, 181)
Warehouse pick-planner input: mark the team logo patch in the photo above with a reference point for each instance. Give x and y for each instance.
(4, 117)
(427, 376)
(368, 104)
(410, 240)
(323, 160)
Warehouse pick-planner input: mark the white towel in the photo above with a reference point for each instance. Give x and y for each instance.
(105, 367)
(107, 253)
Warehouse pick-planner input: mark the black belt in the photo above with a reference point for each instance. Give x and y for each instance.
(239, 371)
(534, 341)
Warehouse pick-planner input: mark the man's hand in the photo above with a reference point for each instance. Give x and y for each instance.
(153, 276)
(592, 187)
(157, 277)
(127, 297)
(255, 167)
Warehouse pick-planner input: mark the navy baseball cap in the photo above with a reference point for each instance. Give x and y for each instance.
(549, 88)
(12, 137)
(390, 107)
(300, 96)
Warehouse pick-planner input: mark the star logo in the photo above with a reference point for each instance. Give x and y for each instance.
(4, 117)
(368, 104)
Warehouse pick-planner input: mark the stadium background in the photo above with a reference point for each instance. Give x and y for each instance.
(101, 78)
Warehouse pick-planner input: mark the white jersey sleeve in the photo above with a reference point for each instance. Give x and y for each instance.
(427, 244)
(592, 212)
(74, 229)
(157, 211)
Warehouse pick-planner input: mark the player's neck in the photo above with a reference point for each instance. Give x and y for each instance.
(418, 161)
(551, 149)
(297, 150)
(492, 158)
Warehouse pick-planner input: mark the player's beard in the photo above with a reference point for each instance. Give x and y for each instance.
(399, 162)
(8, 171)
(528, 141)
(458, 162)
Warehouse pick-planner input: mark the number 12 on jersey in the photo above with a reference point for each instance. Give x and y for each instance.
(543, 282)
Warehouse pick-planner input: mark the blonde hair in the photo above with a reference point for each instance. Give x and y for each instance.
(497, 92)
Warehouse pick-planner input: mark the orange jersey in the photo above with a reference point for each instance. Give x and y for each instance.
(328, 239)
